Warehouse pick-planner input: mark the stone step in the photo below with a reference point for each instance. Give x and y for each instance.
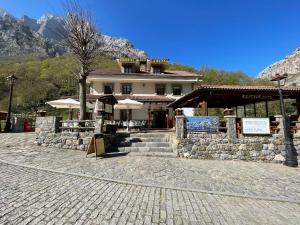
(151, 144)
(154, 154)
(158, 135)
(144, 144)
(145, 149)
(146, 139)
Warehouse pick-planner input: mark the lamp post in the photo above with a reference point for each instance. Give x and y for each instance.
(12, 79)
(291, 155)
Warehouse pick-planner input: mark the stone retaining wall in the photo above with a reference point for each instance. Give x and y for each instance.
(48, 134)
(218, 146)
(67, 140)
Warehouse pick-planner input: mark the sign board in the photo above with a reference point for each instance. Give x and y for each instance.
(261, 97)
(108, 108)
(202, 124)
(96, 146)
(256, 125)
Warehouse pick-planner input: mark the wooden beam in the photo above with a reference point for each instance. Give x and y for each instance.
(149, 116)
(267, 108)
(254, 108)
(298, 105)
(245, 113)
(204, 108)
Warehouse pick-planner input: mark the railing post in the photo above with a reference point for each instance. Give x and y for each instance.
(231, 127)
(180, 127)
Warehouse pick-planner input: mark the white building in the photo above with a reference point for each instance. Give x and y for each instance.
(146, 81)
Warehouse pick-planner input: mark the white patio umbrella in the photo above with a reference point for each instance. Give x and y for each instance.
(67, 103)
(128, 104)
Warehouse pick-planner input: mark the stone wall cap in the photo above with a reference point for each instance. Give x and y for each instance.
(230, 116)
(277, 116)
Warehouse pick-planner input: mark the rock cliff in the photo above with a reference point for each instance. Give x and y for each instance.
(290, 65)
(46, 36)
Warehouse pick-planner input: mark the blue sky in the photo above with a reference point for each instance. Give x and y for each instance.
(231, 35)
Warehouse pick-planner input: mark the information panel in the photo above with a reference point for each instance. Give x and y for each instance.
(108, 108)
(202, 123)
(256, 125)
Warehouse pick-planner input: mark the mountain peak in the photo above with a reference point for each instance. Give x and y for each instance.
(47, 35)
(290, 65)
(47, 17)
(4, 13)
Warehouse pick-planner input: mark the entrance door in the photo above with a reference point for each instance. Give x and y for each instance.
(159, 119)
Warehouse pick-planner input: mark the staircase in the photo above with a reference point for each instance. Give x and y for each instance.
(157, 144)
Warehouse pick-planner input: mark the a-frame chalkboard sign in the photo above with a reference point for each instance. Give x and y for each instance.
(96, 145)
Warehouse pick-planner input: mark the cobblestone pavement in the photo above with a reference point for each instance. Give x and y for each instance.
(264, 180)
(32, 196)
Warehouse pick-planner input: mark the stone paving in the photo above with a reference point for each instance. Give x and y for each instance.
(158, 190)
(31, 196)
(238, 177)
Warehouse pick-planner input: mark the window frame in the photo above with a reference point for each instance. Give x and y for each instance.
(112, 88)
(164, 87)
(128, 69)
(128, 84)
(155, 69)
(176, 85)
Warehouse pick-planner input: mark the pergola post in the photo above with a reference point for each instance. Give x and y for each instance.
(204, 108)
(298, 106)
(267, 108)
(254, 108)
(167, 118)
(245, 113)
(149, 116)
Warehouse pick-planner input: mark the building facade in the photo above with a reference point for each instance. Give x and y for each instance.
(146, 81)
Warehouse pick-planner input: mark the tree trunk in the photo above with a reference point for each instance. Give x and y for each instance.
(82, 98)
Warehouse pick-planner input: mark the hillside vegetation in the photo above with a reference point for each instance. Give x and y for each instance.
(44, 79)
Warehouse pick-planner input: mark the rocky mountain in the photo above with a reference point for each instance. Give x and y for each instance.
(290, 65)
(46, 36)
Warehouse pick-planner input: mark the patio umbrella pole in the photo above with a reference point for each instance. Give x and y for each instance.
(127, 119)
(70, 114)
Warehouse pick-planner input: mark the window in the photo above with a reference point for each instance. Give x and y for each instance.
(160, 89)
(123, 114)
(128, 69)
(108, 88)
(157, 69)
(126, 89)
(177, 89)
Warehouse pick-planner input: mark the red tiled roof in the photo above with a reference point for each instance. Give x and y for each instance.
(250, 88)
(141, 98)
(233, 95)
(168, 73)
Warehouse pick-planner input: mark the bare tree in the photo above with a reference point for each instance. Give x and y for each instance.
(82, 41)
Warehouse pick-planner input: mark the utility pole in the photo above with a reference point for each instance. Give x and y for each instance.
(291, 155)
(12, 80)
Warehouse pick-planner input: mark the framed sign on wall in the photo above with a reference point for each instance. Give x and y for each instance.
(256, 125)
(202, 123)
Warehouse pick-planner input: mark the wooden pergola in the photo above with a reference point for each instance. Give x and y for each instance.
(228, 96)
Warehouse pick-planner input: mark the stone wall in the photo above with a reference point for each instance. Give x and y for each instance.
(47, 124)
(218, 146)
(49, 134)
(228, 146)
(66, 139)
